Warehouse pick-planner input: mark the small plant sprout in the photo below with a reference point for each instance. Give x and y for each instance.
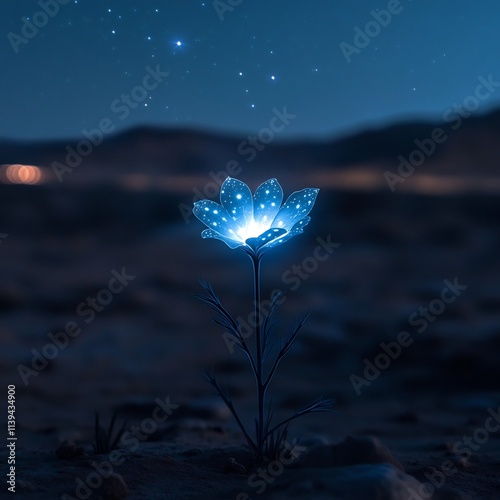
(256, 224)
(107, 440)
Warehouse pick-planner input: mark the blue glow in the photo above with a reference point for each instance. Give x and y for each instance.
(267, 201)
(257, 222)
(236, 198)
(297, 206)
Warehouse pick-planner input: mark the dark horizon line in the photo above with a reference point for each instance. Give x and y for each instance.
(227, 135)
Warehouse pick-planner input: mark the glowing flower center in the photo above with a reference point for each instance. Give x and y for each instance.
(252, 230)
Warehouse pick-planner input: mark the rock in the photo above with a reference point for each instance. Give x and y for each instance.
(68, 450)
(461, 463)
(233, 466)
(314, 440)
(354, 450)
(114, 487)
(356, 482)
(207, 408)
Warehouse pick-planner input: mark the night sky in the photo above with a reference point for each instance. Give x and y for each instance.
(227, 75)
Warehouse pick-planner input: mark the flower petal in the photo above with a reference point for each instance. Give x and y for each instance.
(236, 198)
(215, 217)
(265, 238)
(296, 229)
(231, 243)
(267, 202)
(296, 207)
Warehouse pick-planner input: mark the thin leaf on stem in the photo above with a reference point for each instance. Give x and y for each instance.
(224, 319)
(285, 348)
(226, 397)
(318, 406)
(269, 322)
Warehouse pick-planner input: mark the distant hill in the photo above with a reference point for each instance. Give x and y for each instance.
(474, 146)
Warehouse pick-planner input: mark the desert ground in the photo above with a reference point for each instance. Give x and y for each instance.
(403, 333)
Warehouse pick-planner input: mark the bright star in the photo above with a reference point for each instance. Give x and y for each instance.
(178, 43)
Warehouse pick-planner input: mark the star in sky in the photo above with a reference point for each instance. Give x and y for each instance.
(229, 76)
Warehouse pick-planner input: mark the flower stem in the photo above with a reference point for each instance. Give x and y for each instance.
(261, 388)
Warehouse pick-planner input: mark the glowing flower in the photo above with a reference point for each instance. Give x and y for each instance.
(255, 223)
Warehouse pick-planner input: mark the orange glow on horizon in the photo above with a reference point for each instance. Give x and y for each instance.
(23, 174)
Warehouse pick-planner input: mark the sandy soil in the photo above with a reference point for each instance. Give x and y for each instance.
(431, 406)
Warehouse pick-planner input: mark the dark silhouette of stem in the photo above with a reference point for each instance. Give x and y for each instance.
(261, 387)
